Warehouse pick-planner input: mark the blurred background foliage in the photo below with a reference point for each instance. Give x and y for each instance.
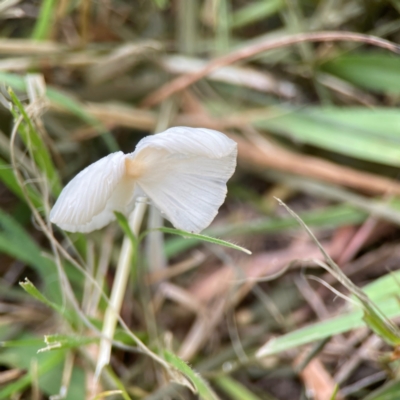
(318, 126)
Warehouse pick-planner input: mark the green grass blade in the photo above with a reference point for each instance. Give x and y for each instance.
(45, 20)
(385, 300)
(235, 390)
(124, 224)
(203, 238)
(30, 288)
(38, 149)
(335, 392)
(199, 383)
(373, 316)
(59, 342)
(385, 287)
(371, 135)
(318, 331)
(67, 314)
(255, 11)
(374, 322)
(377, 72)
(162, 4)
(329, 217)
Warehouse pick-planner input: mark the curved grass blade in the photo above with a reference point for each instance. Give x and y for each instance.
(331, 217)
(199, 383)
(203, 238)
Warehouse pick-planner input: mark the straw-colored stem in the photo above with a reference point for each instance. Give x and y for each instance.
(119, 287)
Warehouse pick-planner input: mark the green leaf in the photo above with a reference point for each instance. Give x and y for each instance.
(199, 383)
(367, 134)
(378, 72)
(203, 238)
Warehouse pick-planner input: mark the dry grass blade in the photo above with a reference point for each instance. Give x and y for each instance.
(270, 155)
(184, 81)
(120, 60)
(240, 76)
(23, 46)
(117, 115)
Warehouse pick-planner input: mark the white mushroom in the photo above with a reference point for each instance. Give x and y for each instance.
(183, 171)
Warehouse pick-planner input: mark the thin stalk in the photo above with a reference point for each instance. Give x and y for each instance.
(119, 286)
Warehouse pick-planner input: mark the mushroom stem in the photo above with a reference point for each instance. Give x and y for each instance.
(119, 286)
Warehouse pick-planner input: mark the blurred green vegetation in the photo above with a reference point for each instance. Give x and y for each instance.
(318, 125)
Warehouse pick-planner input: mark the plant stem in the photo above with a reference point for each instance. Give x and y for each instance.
(119, 286)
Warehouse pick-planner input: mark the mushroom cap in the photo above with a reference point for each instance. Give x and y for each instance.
(89, 200)
(182, 170)
(185, 174)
